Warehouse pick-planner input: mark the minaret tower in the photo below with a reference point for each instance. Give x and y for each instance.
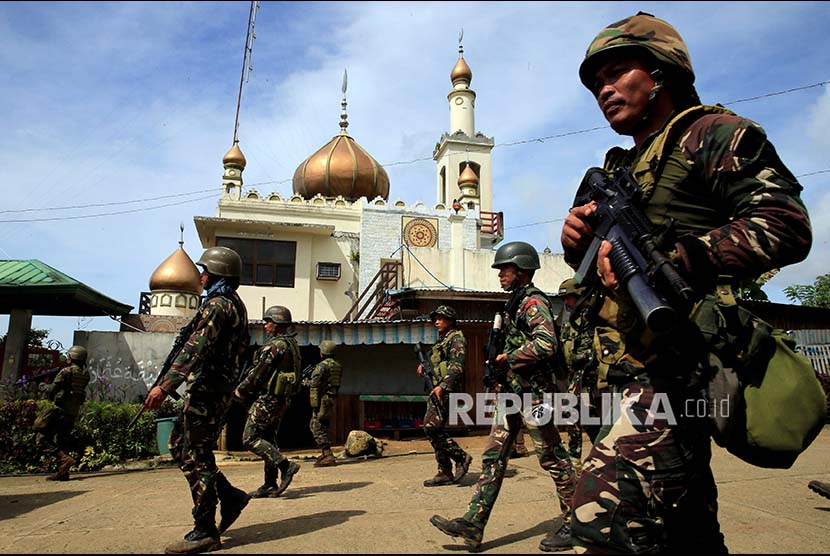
(234, 163)
(463, 146)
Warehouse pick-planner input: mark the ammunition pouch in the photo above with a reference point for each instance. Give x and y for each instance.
(287, 384)
(766, 404)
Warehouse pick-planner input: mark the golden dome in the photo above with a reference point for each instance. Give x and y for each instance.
(461, 71)
(177, 273)
(468, 176)
(234, 157)
(341, 167)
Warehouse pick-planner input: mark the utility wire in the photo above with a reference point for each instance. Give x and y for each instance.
(84, 216)
(212, 189)
(398, 163)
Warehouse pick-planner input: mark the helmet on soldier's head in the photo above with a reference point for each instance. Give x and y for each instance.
(221, 261)
(644, 32)
(278, 315)
(327, 347)
(519, 253)
(569, 287)
(444, 311)
(77, 354)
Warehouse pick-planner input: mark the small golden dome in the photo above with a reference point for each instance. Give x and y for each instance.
(461, 71)
(468, 176)
(341, 167)
(234, 157)
(177, 273)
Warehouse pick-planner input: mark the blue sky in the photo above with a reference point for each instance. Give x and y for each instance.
(113, 102)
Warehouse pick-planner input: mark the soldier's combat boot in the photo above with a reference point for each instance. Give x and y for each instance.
(327, 459)
(62, 474)
(232, 501)
(200, 539)
(823, 489)
(461, 467)
(519, 450)
(269, 487)
(459, 527)
(443, 477)
(287, 471)
(558, 540)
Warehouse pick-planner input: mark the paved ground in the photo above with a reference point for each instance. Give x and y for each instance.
(378, 506)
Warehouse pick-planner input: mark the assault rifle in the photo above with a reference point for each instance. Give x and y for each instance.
(430, 379)
(651, 280)
(50, 373)
(178, 344)
(494, 376)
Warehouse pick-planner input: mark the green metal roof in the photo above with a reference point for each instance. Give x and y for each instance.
(36, 286)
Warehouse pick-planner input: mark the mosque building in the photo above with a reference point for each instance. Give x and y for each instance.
(339, 249)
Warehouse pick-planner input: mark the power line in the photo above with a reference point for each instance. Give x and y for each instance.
(109, 204)
(397, 163)
(84, 216)
(777, 93)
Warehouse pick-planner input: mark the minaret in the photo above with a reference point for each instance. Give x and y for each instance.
(175, 285)
(468, 185)
(234, 163)
(463, 147)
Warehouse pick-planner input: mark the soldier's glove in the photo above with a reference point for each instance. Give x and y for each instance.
(694, 264)
(43, 387)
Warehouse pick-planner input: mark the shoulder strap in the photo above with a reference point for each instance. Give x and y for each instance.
(649, 164)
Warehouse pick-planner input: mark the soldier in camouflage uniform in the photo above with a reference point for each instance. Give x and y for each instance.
(322, 391)
(647, 485)
(208, 364)
(273, 380)
(53, 426)
(447, 357)
(530, 346)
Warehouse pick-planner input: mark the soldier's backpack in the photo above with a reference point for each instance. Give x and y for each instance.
(765, 401)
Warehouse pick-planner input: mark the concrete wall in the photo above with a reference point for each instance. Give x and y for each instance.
(130, 361)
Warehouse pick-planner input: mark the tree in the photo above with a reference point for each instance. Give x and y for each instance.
(34, 338)
(816, 295)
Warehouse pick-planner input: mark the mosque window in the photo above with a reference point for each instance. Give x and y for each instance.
(264, 262)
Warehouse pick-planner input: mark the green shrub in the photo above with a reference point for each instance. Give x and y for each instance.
(105, 438)
(100, 436)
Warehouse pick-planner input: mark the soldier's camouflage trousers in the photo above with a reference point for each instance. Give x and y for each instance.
(549, 449)
(320, 428)
(647, 487)
(577, 387)
(446, 449)
(260, 433)
(191, 447)
(53, 429)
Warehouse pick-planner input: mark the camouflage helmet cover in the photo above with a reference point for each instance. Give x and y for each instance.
(519, 253)
(77, 354)
(327, 347)
(221, 261)
(569, 287)
(639, 31)
(444, 311)
(278, 315)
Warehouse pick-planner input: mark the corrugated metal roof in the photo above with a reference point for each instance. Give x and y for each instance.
(35, 286)
(32, 273)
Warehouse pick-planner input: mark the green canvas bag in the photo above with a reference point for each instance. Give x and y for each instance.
(765, 401)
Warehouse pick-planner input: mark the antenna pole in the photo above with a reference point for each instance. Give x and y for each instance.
(248, 47)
